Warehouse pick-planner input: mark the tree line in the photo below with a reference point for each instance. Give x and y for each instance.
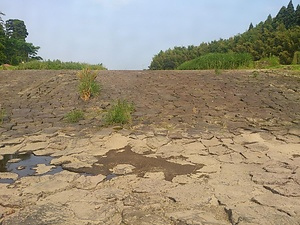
(278, 36)
(13, 46)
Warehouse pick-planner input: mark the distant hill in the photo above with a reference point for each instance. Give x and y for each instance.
(278, 36)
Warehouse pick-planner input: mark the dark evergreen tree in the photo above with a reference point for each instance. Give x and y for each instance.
(281, 16)
(297, 15)
(291, 16)
(250, 27)
(287, 16)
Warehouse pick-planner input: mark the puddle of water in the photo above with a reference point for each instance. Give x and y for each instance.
(111, 176)
(23, 164)
(141, 163)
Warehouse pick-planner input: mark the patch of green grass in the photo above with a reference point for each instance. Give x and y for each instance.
(119, 113)
(74, 116)
(268, 63)
(7, 67)
(87, 84)
(57, 65)
(218, 61)
(295, 67)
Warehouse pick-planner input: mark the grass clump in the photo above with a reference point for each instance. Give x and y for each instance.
(218, 61)
(119, 113)
(87, 84)
(57, 65)
(74, 116)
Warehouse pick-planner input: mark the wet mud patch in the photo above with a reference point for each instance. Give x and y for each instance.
(141, 163)
(25, 164)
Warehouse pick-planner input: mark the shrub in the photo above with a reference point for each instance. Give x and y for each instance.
(119, 113)
(218, 61)
(296, 59)
(7, 67)
(266, 63)
(87, 85)
(74, 116)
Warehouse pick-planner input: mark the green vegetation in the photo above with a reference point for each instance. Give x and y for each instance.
(74, 116)
(295, 67)
(7, 67)
(267, 63)
(296, 59)
(278, 36)
(87, 85)
(16, 53)
(57, 65)
(119, 113)
(218, 61)
(13, 46)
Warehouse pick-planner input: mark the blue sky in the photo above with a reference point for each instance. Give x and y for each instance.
(126, 34)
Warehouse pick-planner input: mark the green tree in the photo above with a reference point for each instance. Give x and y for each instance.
(278, 36)
(16, 29)
(13, 46)
(297, 15)
(2, 39)
(287, 16)
(291, 16)
(1, 20)
(250, 26)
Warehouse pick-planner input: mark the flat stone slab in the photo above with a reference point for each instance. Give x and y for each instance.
(201, 149)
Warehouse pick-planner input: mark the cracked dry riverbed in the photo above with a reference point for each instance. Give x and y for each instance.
(202, 149)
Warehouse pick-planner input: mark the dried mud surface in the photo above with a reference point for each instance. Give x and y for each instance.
(201, 149)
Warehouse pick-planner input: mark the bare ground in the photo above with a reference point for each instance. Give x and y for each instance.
(201, 149)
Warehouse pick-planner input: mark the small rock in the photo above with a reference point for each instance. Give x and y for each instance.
(21, 167)
(14, 141)
(8, 175)
(42, 169)
(195, 148)
(116, 141)
(34, 146)
(14, 160)
(157, 141)
(7, 150)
